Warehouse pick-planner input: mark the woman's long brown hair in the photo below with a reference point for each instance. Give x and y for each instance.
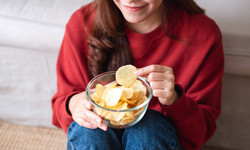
(107, 42)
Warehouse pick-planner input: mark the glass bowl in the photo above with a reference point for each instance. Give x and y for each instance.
(136, 113)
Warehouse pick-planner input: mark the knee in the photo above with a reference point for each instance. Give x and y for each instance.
(93, 139)
(79, 134)
(153, 131)
(155, 121)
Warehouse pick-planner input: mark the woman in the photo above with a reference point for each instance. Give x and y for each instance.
(172, 43)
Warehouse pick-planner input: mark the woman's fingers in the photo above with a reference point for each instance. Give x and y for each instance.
(83, 115)
(85, 123)
(156, 76)
(162, 85)
(91, 125)
(94, 119)
(162, 82)
(153, 68)
(91, 117)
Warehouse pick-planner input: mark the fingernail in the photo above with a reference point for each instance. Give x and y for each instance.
(93, 126)
(89, 106)
(98, 120)
(104, 128)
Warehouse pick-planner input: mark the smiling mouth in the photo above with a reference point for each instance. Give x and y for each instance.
(134, 9)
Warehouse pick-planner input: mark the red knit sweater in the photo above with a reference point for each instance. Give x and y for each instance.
(197, 62)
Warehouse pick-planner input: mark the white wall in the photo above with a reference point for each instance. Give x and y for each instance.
(233, 18)
(231, 15)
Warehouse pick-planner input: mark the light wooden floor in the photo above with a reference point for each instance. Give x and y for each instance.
(21, 137)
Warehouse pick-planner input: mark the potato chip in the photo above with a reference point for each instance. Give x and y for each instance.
(114, 122)
(125, 75)
(109, 86)
(95, 97)
(142, 100)
(139, 89)
(117, 106)
(126, 92)
(127, 120)
(130, 114)
(112, 96)
(100, 90)
(107, 115)
(117, 116)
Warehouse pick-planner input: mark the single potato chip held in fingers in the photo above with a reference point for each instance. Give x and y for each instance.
(125, 75)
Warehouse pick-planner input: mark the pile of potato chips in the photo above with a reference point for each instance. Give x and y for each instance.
(124, 93)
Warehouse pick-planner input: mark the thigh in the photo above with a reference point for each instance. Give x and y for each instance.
(81, 138)
(153, 132)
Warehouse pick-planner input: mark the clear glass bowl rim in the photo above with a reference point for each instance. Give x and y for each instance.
(126, 110)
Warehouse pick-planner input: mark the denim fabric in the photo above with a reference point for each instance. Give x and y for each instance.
(153, 132)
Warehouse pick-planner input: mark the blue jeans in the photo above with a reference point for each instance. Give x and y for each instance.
(153, 132)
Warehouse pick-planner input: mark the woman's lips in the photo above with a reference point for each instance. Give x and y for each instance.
(134, 9)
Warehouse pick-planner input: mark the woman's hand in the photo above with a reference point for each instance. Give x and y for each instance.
(162, 81)
(80, 109)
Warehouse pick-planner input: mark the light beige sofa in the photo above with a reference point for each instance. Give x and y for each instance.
(31, 32)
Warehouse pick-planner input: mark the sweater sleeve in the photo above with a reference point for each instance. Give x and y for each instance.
(194, 114)
(72, 75)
